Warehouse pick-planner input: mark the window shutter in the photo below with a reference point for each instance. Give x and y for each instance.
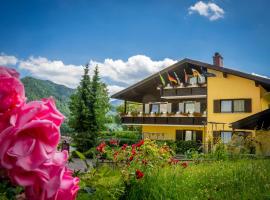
(181, 107)
(146, 108)
(180, 135)
(216, 136)
(248, 105)
(169, 107)
(197, 107)
(216, 106)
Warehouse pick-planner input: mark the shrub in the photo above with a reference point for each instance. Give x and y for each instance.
(183, 146)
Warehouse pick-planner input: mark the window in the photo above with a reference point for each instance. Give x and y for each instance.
(226, 106)
(189, 107)
(188, 136)
(239, 105)
(154, 108)
(226, 137)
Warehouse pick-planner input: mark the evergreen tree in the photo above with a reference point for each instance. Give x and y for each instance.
(83, 118)
(89, 106)
(102, 100)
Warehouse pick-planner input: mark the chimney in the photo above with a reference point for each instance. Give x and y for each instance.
(218, 60)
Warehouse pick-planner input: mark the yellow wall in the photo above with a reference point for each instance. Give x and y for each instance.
(165, 132)
(265, 100)
(232, 87)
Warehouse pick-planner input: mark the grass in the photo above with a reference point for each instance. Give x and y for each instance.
(243, 179)
(239, 179)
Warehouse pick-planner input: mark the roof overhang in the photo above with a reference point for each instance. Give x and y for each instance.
(257, 121)
(133, 92)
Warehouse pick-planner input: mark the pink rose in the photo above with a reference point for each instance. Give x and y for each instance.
(34, 136)
(11, 95)
(60, 186)
(11, 89)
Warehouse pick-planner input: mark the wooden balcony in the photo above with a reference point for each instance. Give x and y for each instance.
(163, 120)
(184, 92)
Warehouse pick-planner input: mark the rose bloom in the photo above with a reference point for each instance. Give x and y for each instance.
(12, 95)
(139, 174)
(140, 143)
(33, 137)
(101, 147)
(61, 184)
(124, 147)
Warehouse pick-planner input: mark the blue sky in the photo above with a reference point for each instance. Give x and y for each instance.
(45, 34)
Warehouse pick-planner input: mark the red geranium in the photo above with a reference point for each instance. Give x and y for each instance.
(173, 161)
(101, 147)
(131, 158)
(124, 146)
(139, 174)
(184, 164)
(140, 143)
(114, 142)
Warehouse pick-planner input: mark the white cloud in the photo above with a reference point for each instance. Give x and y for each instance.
(134, 69)
(55, 71)
(210, 10)
(114, 89)
(7, 60)
(117, 73)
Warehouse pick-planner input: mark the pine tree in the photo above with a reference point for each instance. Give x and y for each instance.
(89, 106)
(83, 118)
(102, 100)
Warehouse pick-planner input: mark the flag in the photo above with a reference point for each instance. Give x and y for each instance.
(196, 73)
(178, 80)
(207, 74)
(186, 76)
(171, 79)
(162, 80)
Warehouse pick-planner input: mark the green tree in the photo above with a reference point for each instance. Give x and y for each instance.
(102, 100)
(88, 107)
(83, 118)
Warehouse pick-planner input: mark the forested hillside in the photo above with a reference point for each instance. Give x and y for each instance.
(37, 89)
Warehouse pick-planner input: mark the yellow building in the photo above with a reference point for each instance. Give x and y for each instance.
(192, 100)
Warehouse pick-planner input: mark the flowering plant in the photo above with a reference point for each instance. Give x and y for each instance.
(139, 159)
(29, 135)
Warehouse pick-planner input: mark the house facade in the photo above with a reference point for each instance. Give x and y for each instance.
(192, 100)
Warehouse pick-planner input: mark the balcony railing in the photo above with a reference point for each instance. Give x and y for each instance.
(165, 120)
(183, 92)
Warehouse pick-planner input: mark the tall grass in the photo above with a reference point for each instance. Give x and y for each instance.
(242, 179)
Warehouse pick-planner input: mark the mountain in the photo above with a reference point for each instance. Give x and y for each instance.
(36, 89)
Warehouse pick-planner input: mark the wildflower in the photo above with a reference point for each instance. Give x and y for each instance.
(173, 161)
(131, 158)
(124, 147)
(101, 147)
(133, 152)
(114, 142)
(140, 143)
(139, 174)
(184, 164)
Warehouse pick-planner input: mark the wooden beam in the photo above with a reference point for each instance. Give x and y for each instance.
(257, 84)
(125, 106)
(225, 75)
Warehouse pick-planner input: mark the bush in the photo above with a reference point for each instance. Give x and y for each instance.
(183, 146)
(120, 134)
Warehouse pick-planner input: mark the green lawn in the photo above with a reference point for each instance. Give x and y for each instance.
(241, 179)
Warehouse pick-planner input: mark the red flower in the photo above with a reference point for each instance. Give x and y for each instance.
(133, 152)
(173, 161)
(184, 164)
(101, 147)
(131, 158)
(140, 143)
(139, 174)
(114, 142)
(124, 146)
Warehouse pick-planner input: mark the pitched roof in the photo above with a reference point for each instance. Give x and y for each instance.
(130, 92)
(257, 121)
